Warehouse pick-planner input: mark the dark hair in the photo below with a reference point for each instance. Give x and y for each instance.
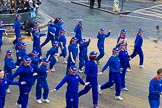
(159, 71)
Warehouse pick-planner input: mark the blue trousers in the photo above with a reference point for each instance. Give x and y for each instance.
(8, 74)
(114, 77)
(17, 33)
(38, 49)
(123, 76)
(52, 61)
(42, 83)
(154, 103)
(140, 53)
(101, 50)
(82, 61)
(63, 52)
(1, 42)
(24, 95)
(94, 85)
(47, 40)
(2, 102)
(18, 62)
(71, 100)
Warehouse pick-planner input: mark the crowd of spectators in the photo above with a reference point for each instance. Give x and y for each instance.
(18, 6)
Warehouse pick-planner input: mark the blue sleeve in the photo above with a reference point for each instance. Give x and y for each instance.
(14, 26)
(18, 71)
(64, 80)
(108, 34)
(42, 34)
(152, 88)
(75, 29)
(70, 49)
(12, 82)
(98, 36)
(118, 39)
(136, 42)
(9, 65)
(106, 65)
(87, 69)
(81, 81)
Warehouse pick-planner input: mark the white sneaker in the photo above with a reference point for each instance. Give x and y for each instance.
(141, 66)
(112, 87)
(65, 62)
(53, 70)
(39, 101)
(125, 89)
(119, 98)
(80, 71)
(129, 70)
(18, 105)
(46, 100)
(8, 91)
(99, 89)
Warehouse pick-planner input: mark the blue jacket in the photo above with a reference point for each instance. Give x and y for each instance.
(58, 27)
(51, 52)
(101, 38)
(91, 69)
(17, 45)
(63, 40)
(124, 57)
(72, 83)
(21, 53)
(138, 41)
(42, 73)
(83, 49)
(78, 32)
(4, 84)
(17, 26)
(35, 60)
(1, 31)
(74, 49)
(9, 64)
(51, 29)
(36, 38)
(113, 63)
(155, 88)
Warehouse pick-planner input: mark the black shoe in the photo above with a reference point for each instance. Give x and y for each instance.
(99, 6)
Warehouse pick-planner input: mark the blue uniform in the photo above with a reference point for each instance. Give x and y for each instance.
(72, 89)
(1, 34)
(72, 48)
(78, 32)
(83, 58)
(52, 58)
(20, 55)
(100, 44)
(91, 71)
(58, 27)
(155, 88)
(114, 74)
(36, 42)
(138, 48)
(25, 74)
(42, 82)
(62, 40)
(17, 29)
(124, 59)
(3, 86)
(50, 37)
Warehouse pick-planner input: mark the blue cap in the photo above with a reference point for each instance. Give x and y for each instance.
(23, 44)
(73, 68)
(62, 31)
(74, 39)
(55, 42)
(35, 29)
(8, 52)
(123, 44)
(80, 22)
(36, 23)
(123, 30)
(50, 21)
(102, 29)
(18, 16)
(45, 60)
(21, 37)
(35, 52)
(140, 30)
(27, 59)
(1, 21)
(115, 50)
(59, 19)
(93, 54)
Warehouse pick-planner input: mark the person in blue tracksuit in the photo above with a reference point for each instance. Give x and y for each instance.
(122, 33)
(62, 44)
(72, 79)
(17, 28)
(20, 40)
(58, 23)
(21, 53)
(4, 82)
(100, 44)
(34, 61)
(51, 55)
(42, 81)
(25, 73)
(36, 41)
(2, 30)
(114, 74)
(124, 59)
(155, 90)
(9, 66)
(78, 31)
(73, 53)
(138, 47)
(91, 74)
(83, 58)
(50, 34)
(35, 25)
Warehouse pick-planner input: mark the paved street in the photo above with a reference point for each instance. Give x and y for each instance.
(144, 15)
